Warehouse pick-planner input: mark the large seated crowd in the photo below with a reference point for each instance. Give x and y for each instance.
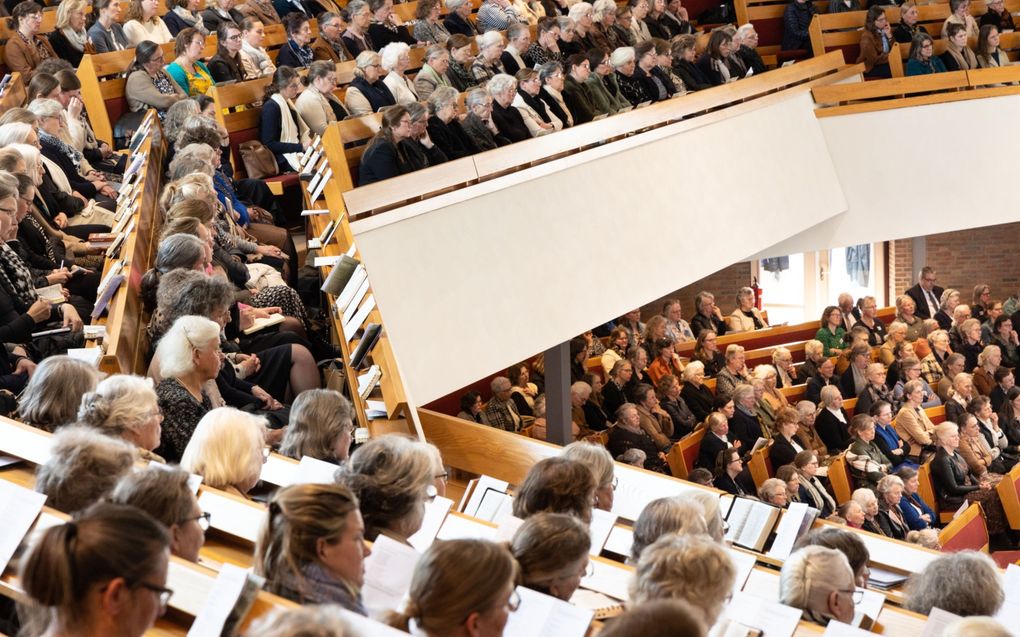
(217, 398)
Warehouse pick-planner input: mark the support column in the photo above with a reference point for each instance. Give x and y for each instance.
(557, 394)
(919, 257)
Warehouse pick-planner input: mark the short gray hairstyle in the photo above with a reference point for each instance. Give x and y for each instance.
(54, 392)
(179, 251)
(742, 391)
(435, 52)
(442, 97)
(187, 335)
(181, 293)
(119, 404)
(318, 418)
(829, 394)
(580, 388)
(500, 82)
(601, 8)
(452, 5)
(964, 583)
(976, 626)
(46, 107)
(489, 38)
(579, 10)
(771, 487)
(809, 575)
(675, 515)
(390, 54)
(549, 68)
(744, 31)
(84, 466)
(692, 369)
(887, 484)
(500, 383)
(474, 97)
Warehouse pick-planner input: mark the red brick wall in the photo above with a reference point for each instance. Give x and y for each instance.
(724, 284)
(983, 255)
(900, 267)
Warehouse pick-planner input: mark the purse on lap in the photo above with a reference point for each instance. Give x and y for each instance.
(259, 161)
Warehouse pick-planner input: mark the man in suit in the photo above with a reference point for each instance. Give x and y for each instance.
(846, 306)
(926, 294)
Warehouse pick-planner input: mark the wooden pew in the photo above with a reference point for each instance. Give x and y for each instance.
(767, 17)
(1009, 494)
(14, 94)
(840, 479)
(969, 532)
(684, 454)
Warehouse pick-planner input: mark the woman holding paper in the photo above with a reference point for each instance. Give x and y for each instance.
(101, 574)
(312, 547)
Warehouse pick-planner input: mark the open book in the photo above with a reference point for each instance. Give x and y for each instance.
(262, 323)
(751, 523)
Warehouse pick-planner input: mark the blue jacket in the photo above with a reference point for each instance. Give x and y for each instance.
(911, 515)
(914, 67)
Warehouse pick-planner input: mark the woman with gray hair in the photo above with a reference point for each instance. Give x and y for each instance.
(955, 484)
(428, 27)
(746, 317)
(125, 407)
(356, 37)
(433, 73)
(456, 21)
(367, 93)
(83, 467)
(965, 584)
(321, 426)
(52, 396)
(488, 65)
(478, 124)
(444, 127)
(189, 356)
(890, 517)
(508, 120)
(819, 581)
(553, 82)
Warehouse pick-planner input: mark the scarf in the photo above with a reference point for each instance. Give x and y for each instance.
(72, 153)
(461, 73)
(964, 57)
(77, 39)
(290, 131)
(323, 102)
(337, 46)
(32, 221)
(16, 278)
(536, 105)
(260, 59)
(303, 53)
(191, 19)
(37, 44)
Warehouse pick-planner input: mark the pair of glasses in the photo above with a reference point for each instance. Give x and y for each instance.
(856, 594)
(203, 520)
(162, 592)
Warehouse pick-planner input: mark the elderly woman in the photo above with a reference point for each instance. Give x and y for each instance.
(508, 119)
(321, 426)
(947, 305)
(676, 515)
(69, 39)
(356, 37)
(552, 551)
(368, 93)
(970, 343)
(911, 368)
(746, 317)
(627, 434)
(832, 421)
(770, 378)
(24, 52)
(603, 34)
(433, 73)
(125, 407)
(603, 88)
(166, 495)
(552, 77)
(54, 392)
(905, 313)
(917, 514)
(317, 105)
(67, 163)
(444, 127)
(384, 156)
(148, 85)
(600, 462)
(912, 423)
(189, 356)
(865, 497)
(82, 468)
(691, 568)
(395, 61)
(143, 23)
(983, 460)
(965, 584)
(393, 478)
(668, 391)
(745, 425)
(960, 14)
(183, 14)
(734, 372)
(811, 490)
(820, 582)
(875, 390)
(932, 365)
(635, 85)
(773, 491)
(297, 51)
(960, 397)
(1005, 337)
(255, 60)
(535, 112)
(219, 11)
(488, 65)
(907, 28)
(226, 449)
(695, 393)
(955, 483)
(311, 549)
(814, 354)
(867, 462)
(685, 52)
(428, 26)
(188, 70)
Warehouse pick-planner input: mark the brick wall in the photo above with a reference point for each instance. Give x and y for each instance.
(983, 255)
(900, 269)
(724, 284)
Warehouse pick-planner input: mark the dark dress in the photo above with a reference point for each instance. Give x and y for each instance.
(594, 416)
(741, 486)
(456, 24)
(381, 161)
(510, 123)
(682, 417)
(699, 399)
(382, 35)
(832, 432)
(782, 451)
(954, 485)
(270, 129)
(711, 445)
(691, 75)
(224, 69)
(377, 93)
(181, 413)
(612, 398)
(745, 428)
(450, 138)
(621, 440)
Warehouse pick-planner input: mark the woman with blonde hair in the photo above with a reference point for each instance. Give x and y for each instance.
(69, 38)
(392, 477)
(311, 548)
(321, 426)
(143, 23)
(227, 450)
(459, 588)
(125, 407)
(552, 552)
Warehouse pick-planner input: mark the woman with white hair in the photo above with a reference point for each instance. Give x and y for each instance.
(581, 14)
(832, 422)
(127, 407)
(691, 568)
(508, 120)
(624, 62)
(456, 21)
(746, 317)
(444, 126)
(604, 37)
(819, 581)
(748, 51)
(395, 61)
(51, 125)
(488, 65)
(890, 516)
(189, 356)
(965, 584)
(226, 449)
(368, 92)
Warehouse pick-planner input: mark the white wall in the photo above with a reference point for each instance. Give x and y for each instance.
(475, 280)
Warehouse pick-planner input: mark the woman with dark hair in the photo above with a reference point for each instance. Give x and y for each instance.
(876, 43)
(296, 53)
(188, 69)
(471, 407)
(43, 86)
(281, 129)
(184, 14)
(958, 56)
(25, 49)
(922, 61)
(713, 61)
(657, 85)
(384, 157)
(106, 33)
(989, 55)
(226, 65)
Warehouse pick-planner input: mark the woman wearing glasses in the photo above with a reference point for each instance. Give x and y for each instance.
(312, 547)
(25, 49)
(166, 495)
(125, 407)
(101, 574)
(460, 587)
(552, 551)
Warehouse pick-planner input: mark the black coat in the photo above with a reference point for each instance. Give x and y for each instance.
(796, 20)
(450, 138)
(715, 77)
(62, 47)
(752, 59)
(223, 69)
(782, 451)
(890, 526)
(78, 183)
(922, 305)
(951, 481)
(510, 123)
(699, 399)
(456, 24)
(211, 19)
(711, 445)
(377, 93)
(833, 433)
(691, 75)
(745, 428)
(683, 418)
(904, 34)
(577, 99)
(701, 322)
(382, 35)
(847, 387)
(288, 56)
(621, 440)
(612, 398)
(740, 486)
(594, 416)
(381, 161)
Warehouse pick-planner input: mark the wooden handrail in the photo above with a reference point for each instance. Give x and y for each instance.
(375, 198)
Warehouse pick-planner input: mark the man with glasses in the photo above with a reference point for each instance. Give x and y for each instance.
(819, 581)
(926, 294)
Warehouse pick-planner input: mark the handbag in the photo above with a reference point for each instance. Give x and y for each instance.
(259, 161)
(125, 128)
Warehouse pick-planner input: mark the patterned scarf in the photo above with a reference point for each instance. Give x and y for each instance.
(304, 53)
(16, 279)
(72, 153)
(37, 44)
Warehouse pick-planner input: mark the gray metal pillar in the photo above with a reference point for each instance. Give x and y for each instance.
(557, 394)
(919, 257)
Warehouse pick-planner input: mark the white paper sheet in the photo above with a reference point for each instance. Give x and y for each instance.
(481, 485)
(388, 573)
(787, 530)
(744, 563)
(232, 517)
(278, 470)
(19, 507)
(637, 488)
(602, 523)
(545, 616)
(772, 618)
(435, 514)
(314, 471)
(839, 629)
(871, 605)
(939, 620)
(222, 598)
(507, 528)
(609, 579)
(457, 527)
(351, 328)
(620, 540)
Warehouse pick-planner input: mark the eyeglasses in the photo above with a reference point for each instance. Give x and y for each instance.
(163, 592)
(442, 476)
(856, 594)
(203, 520)
(234, 38)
